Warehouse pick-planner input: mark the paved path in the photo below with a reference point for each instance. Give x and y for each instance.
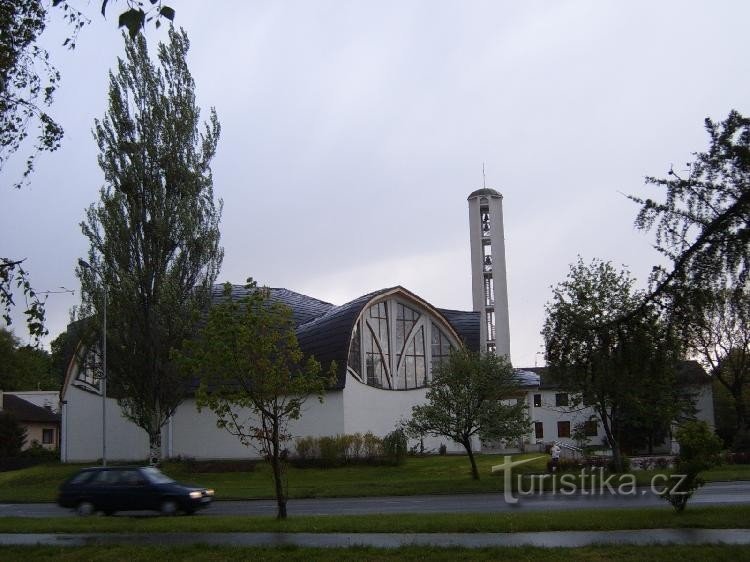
(392, 540)
(717, 493)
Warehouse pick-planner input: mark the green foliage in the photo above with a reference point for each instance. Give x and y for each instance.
(700, 450)
(620, 363)
(253, 375)
(12, 435)
(741, 443)
(471, 395)
(13, 277)
(395, 446)
(341, 450)
(701, 226)
(40, 453)
(154, 235)
(25, 367)
(28, 81)
(718, 330)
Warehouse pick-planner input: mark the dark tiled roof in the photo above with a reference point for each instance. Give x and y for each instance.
(324, 330)
(327, 337)
(25, 411)
(304, 308)
(688, 373)
(466, 325)
(487, 192)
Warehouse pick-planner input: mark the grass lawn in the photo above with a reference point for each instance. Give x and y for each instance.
(419, 475)
(705, 517)
(418, 554)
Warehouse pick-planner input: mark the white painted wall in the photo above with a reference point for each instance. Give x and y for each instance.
(82, 430)
(549, 414)
(367, 408)
(195, 434)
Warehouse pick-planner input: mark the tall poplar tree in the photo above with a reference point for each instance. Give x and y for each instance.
(154, 234)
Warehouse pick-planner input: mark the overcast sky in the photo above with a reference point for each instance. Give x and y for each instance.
(353, 131)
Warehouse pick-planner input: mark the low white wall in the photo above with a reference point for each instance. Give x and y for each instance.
(367, 408)
(82, 430)
(195, 434)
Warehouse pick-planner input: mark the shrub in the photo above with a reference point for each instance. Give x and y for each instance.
(12, 435)
(372, 446)
(37, 451)
(306, 448)
(330, 451)
(443, 450)
(355, 446)
(339, 450)
(395, 446)
(699, 450)
(741, 443)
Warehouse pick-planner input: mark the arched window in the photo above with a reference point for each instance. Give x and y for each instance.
(90, 368)
(392, 341)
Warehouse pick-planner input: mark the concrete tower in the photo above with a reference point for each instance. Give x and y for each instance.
(489, 286)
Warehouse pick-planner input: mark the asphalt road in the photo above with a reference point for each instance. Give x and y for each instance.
(717, 493)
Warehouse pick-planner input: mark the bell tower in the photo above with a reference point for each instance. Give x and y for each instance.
(489, 285)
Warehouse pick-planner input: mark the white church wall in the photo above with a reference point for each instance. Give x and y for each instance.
(194, 434)
(367, 408)
(82, 430)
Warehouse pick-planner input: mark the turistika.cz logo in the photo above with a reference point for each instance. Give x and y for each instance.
(586, 483)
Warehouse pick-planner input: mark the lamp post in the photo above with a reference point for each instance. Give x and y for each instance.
(86, 265)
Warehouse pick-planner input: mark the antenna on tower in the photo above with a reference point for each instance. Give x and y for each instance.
(484, 178)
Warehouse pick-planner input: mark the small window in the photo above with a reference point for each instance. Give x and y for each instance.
(539, 430)
(537, 400)
(590, 428)
(563, 428)
(561, 399)
(48, 436)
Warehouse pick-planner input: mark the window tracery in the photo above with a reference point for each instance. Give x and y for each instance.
(397, 345)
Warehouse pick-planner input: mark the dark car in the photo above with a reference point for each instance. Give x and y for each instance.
(126, 488)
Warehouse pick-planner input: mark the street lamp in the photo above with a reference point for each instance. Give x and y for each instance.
(85, 265)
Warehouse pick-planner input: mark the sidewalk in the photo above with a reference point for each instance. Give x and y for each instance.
(393, 540)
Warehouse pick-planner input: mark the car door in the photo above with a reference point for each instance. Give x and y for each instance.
(136, 491)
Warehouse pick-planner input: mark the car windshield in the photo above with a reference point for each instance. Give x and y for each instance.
(155, 476)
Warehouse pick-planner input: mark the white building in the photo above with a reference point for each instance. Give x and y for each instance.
(384, 343)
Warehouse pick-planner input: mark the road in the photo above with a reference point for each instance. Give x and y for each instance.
(717, 493)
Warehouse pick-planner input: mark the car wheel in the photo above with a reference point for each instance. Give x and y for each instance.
(109, 512)
(85, 508)
(168, 507)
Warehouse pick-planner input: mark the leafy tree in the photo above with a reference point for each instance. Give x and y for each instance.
(24, 367)
(719, 337)
(699, 450)
(154, 235)
(253, 377)
(12, 435)
(135, 17)
(471, 395)
(612, 360)
(702, 224)
(27, 83)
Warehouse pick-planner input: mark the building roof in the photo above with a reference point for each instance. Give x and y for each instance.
(25, 411)
(327, 337)
(486, 192)
(324, 330)
(689, 373)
